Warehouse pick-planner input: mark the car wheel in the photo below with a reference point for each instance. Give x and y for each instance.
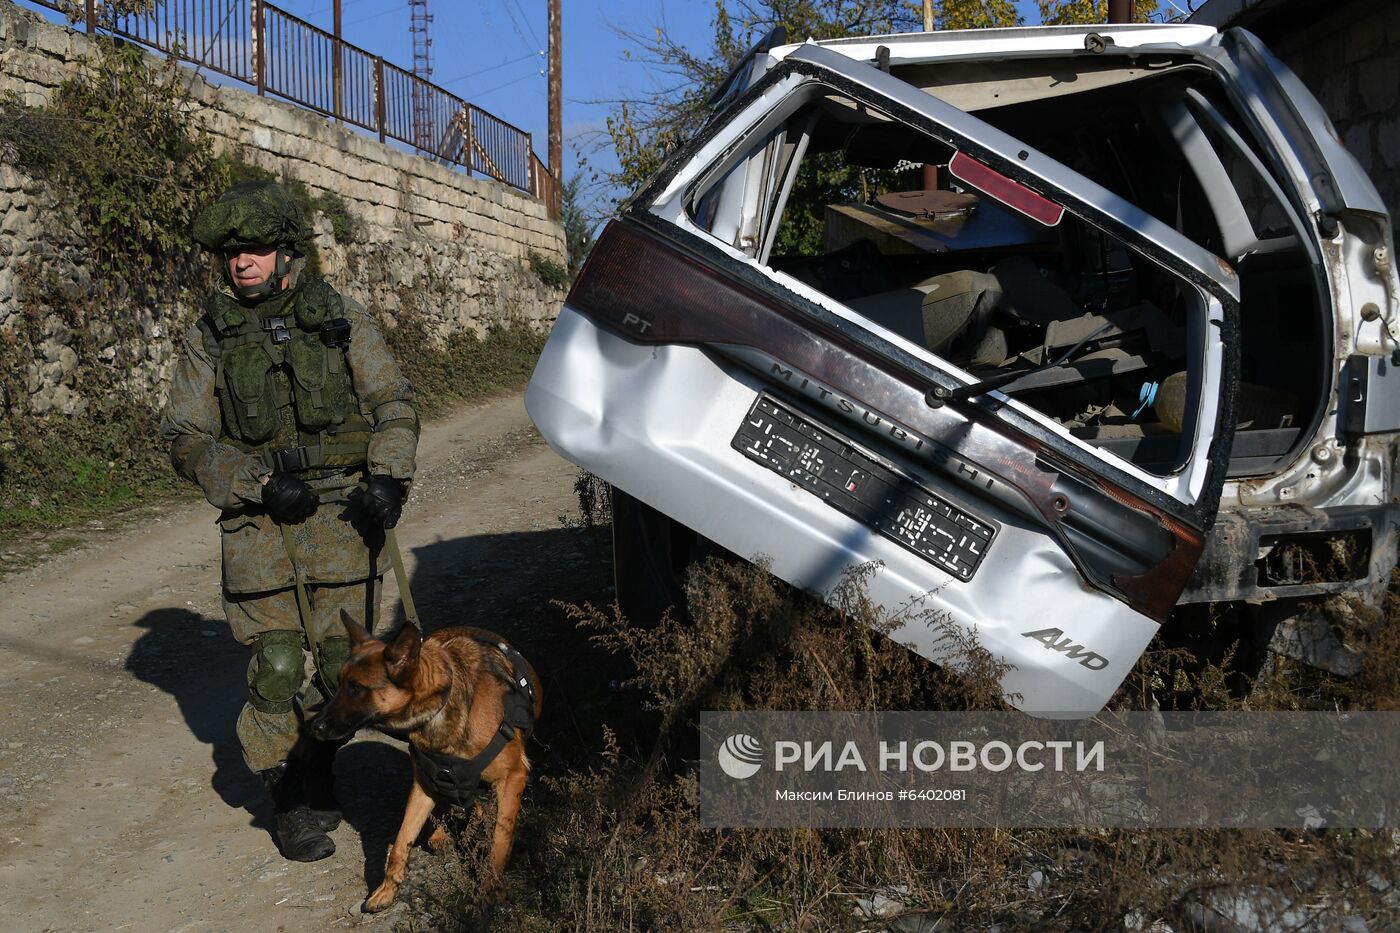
(650, 555)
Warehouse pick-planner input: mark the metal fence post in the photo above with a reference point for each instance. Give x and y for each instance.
(259, 47)
(379, 95)
(469, 139)
(336, 82)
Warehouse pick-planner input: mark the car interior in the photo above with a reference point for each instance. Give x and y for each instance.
(1052, 310)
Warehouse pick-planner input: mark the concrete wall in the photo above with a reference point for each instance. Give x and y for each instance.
(454, 247)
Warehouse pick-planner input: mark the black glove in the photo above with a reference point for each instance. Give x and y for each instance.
(288, 499)
(382, 500)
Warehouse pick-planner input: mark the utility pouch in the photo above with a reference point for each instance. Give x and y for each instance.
(249, 395)
(320, 383)
(336, 333)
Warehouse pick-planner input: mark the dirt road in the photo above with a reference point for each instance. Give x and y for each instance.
(124, 802)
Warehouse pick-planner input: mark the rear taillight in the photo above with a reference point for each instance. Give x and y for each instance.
(647, 290)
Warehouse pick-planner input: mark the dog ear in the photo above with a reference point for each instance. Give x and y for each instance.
(357, 632)
(401, 657)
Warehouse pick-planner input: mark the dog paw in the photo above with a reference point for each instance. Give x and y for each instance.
(438, 841)
(382, 897)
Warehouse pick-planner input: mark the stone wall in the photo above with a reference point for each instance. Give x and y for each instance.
(457, 248)
(1349, 57)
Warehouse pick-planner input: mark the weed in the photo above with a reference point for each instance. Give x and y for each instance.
(344, 227)
(548, 271)
(462, 366)
(594, 502)
(131, 163)
(130, 168)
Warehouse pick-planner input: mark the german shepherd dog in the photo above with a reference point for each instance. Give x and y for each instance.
(448, 694)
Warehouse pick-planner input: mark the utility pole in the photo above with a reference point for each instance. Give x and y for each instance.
(556, 84)
(1120, 11)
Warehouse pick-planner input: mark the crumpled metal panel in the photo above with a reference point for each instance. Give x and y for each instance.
(657, 421)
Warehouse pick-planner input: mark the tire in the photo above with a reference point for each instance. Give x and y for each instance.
(650, 555)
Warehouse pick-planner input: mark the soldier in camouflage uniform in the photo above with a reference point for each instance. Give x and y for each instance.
(288, 410)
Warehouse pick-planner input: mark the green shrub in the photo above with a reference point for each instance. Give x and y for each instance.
(463, 367)
(118, 143)
(549, 271)
(344, 226)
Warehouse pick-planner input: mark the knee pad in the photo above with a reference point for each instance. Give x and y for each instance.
(332, 655)
(277, 671)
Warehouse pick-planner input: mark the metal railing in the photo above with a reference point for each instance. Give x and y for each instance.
(281, 54)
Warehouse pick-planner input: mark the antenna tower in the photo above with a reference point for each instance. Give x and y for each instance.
(419, 18)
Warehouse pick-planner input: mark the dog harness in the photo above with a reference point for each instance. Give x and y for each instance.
(457, 780)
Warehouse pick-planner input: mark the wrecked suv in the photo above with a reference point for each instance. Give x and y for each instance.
(1068, 329)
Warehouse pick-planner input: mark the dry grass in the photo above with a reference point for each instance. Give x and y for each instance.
(614, 842)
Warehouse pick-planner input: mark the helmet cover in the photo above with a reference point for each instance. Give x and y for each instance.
(254, 213)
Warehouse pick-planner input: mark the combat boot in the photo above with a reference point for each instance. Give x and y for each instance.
(298, 833)
(318, 782)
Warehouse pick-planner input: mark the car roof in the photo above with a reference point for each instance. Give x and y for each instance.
(910, 47)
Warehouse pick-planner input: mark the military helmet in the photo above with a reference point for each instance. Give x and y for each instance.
(254, 213)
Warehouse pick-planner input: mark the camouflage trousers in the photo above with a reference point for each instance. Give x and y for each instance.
(268, 738)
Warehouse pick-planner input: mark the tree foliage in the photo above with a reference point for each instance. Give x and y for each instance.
(644, 130)
(578, 227)
(119, 139)
(1080, 12)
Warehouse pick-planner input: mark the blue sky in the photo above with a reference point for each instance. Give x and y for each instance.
(492, 53)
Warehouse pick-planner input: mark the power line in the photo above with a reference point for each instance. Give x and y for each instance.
(482, 71)
(326, 9)
(364, 19)
(481, 94)
(526, 20)
(515, 26)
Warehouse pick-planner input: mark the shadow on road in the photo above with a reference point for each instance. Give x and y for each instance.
(372, 780)
(508, 583)
(501, 582)
(195, 660)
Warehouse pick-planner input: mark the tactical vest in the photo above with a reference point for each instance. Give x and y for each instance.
(283, 379)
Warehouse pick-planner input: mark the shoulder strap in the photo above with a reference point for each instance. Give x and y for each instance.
(227, 325)
(208, 337)
(520, 702)
(223, 317)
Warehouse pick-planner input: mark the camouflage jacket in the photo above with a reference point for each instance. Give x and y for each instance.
(337, 544)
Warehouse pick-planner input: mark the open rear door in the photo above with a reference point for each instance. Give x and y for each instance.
(794, 408)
